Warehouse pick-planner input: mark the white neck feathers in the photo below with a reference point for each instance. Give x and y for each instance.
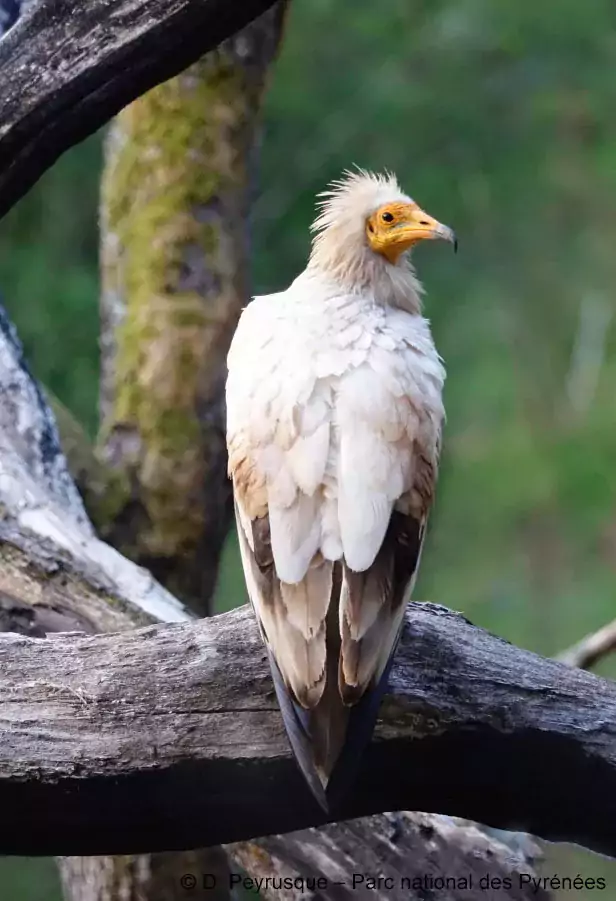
(340, 250)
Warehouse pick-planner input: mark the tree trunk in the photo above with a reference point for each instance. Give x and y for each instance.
(147, 877)
(175, 208)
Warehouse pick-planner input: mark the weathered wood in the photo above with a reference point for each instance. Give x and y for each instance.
(49, 554)
(172, 734)
(71, 581)
(404, 857)
(66, 68)
(146, 877)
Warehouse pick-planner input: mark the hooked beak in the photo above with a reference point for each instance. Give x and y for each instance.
(446, 234)
(419, 226)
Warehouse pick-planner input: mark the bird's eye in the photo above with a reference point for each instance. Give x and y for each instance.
(387, 217)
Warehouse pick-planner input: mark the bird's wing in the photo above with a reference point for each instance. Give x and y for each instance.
(374, 431)
(278, 434)
(389, 413)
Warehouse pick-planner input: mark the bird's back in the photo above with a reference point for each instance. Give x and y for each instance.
(334, 416)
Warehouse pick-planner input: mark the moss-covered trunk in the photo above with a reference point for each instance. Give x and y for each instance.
(174, 217)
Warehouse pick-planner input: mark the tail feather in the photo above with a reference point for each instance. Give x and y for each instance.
(330, 640)
(297, 725)
(362, 717)
(317, 735)
(328, 740)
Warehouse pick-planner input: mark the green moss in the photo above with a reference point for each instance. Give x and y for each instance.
(175, 158)
(105, 505)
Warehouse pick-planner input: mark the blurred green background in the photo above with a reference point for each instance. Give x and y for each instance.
(498, 117)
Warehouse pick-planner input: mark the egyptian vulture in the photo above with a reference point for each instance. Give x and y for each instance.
(334, 416)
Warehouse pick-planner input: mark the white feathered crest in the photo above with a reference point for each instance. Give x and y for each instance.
(349, 199)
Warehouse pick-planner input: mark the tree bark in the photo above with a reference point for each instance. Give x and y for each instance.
(49, 555)
(146, 877)
(66, 68)
(175, 261)
(173, 735)
(102, 489)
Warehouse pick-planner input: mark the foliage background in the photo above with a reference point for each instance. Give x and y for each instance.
(498, 118)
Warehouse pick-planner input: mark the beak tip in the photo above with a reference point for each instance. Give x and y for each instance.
(448, 234)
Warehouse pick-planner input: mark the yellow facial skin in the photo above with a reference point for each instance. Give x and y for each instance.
(396, 227)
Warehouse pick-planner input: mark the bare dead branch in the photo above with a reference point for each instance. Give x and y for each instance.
(66, 68)
(591, 649)
(173, 736)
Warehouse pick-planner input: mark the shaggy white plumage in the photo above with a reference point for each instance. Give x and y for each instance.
(334, 416)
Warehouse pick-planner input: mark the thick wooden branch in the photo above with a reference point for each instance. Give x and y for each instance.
(66, 68)
(173, 736)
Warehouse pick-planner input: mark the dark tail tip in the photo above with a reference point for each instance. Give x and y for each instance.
(296, 722)
(329, 780)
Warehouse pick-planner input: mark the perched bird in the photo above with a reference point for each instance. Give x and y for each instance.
(334, 415)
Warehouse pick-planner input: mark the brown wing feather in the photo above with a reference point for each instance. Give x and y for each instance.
(332, 635)
(372, 605)
(304, 670)
(289, 615)
(372, 602)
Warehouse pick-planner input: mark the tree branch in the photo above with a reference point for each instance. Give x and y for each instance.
(49, 554)
(66, 68)
(172, 734)
(592, 648)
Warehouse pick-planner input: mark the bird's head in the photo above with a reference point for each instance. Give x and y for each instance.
(364, 228)
(398, 225)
